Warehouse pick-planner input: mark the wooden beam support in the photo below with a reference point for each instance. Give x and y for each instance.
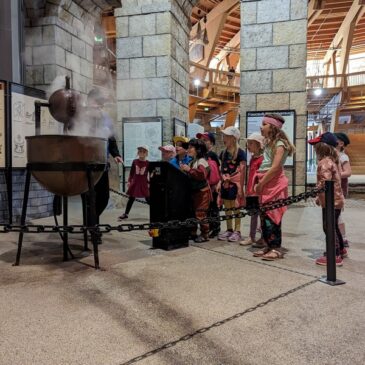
(314, 10)
(224, 7)
(233, 43)
(231, 118)
(346, 30)
(192, 112)
(216, 20)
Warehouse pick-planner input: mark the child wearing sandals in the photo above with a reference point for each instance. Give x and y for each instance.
(342, 142)
(328, 169)
(255, 145)
(198, 170)
(272, 184)
(230, 189)
(137, 180)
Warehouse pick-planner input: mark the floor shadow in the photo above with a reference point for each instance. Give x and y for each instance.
(313, 253)
(40, 253)
(141, 291)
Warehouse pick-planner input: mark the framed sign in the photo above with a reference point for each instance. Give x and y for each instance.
(2, 124)
(138, 132)
(23, 121)
(254, 121)
(180, 128)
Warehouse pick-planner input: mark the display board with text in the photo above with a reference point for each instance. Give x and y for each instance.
(141, 132)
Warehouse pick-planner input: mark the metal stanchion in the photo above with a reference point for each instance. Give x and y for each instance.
(330, 279)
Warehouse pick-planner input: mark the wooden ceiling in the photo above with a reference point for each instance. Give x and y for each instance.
(325, 18)
(231, 26)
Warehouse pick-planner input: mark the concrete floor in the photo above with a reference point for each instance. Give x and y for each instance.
(353, 179)
(151, 302)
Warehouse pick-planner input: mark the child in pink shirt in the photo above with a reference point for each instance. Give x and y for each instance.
(328, 169)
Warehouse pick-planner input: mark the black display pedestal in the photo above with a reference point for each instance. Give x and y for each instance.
(170, 199)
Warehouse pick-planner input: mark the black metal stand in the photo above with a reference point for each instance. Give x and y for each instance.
(91, 222)
(84, 220)
(330, 279)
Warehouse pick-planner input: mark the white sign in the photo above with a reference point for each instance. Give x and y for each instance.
(139, 132)
(254, 121)
(23, 125)
(2, 125)
(194, 129)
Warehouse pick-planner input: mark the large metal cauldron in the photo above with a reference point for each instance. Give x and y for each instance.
(66, 149)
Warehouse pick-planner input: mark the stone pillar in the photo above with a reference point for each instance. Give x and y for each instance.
(273, 66)
(153, 60)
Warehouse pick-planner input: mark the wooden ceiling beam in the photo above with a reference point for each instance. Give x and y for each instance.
(233, 43)
(315, 8)
(216, 20)
(223, 7)
(345, 33)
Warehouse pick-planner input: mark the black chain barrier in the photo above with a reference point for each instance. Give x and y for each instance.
(173, 224)
(124, 195)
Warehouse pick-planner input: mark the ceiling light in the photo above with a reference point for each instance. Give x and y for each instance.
(196, 82)
(318, 92)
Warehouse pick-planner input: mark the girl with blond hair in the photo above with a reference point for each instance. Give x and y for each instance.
(230, 189)
(272, 184)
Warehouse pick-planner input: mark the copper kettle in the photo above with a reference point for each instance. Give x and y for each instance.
(63, 105)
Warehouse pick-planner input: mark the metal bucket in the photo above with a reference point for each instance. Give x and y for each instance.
(66, 149)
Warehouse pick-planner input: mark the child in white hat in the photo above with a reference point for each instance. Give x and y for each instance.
(233, 171)
(255, 145)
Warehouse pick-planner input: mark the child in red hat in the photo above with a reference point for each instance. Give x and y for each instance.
(328, 169)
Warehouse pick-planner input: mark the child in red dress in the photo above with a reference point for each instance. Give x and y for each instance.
(138, 180)
(198, 171)
(255, 145)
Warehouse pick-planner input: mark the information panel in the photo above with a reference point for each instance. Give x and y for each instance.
(254, 121)
(23, 121)
(138, 132)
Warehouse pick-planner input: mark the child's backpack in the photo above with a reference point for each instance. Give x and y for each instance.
(214, 175)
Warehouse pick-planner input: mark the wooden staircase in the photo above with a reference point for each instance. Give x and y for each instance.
(356, 152)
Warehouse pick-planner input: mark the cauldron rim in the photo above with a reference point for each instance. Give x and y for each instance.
(65, 136)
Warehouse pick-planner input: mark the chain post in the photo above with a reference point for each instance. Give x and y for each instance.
(329, 221)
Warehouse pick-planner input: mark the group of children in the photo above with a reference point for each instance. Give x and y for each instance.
(221, 181)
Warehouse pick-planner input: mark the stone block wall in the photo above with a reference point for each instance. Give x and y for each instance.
(40, 202)
(273, 66)
(59, 40)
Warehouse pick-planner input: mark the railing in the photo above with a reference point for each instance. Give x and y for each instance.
(351, 128)
(210, 78)
(336, 81)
